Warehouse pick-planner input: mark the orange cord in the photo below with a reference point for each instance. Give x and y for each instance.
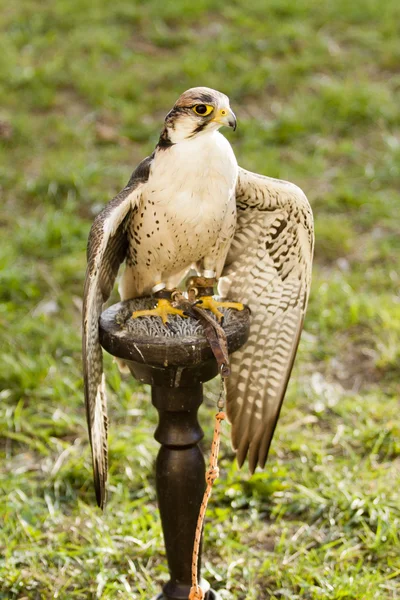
(196, 593)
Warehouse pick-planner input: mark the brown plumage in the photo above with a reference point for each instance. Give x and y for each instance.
(268, 267)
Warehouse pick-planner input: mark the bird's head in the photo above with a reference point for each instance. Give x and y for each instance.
(197, 111)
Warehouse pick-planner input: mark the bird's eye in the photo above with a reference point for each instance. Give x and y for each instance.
(203, 109)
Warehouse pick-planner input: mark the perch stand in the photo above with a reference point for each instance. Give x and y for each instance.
(175, 362)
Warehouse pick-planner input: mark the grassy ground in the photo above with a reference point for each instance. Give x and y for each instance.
(84, 88)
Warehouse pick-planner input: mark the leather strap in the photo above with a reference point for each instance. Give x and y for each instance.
(212, 330)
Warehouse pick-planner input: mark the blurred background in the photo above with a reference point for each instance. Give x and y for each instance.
(84, 88)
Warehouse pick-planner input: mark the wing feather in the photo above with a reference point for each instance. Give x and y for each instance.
(268, 268)
(107, 248)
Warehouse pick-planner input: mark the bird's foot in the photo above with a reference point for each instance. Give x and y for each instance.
(163, 309)
(200, 290)
(209, 303)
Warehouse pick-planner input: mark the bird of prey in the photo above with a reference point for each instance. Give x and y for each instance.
(190, 204)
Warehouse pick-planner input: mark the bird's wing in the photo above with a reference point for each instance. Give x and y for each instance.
(107, 246)
(268, 267)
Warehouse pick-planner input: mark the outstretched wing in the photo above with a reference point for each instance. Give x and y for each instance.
(268, 267)
(107, 247)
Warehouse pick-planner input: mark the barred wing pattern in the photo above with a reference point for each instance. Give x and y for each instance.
(107, 247)
(268, 267)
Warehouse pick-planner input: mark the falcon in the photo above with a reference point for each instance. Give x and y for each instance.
(189, 205)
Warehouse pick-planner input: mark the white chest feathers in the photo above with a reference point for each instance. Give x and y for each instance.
(195, 178)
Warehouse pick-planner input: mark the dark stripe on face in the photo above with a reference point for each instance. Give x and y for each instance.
(177, 110)
(200, 127)
(207, 98)
(174, 113)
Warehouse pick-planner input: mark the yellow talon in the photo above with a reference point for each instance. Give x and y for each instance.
(209, 303)
(163, 309)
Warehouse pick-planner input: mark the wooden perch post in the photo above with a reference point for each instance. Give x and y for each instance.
(176, 367)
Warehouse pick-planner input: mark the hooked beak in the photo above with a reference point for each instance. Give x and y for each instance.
(226, 116)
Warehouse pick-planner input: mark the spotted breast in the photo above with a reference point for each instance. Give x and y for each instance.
(188, 202)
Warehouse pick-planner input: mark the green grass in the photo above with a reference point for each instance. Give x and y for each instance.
(84, 87)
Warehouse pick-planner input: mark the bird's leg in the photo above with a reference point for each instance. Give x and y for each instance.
(201, 290)
(164, 307)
